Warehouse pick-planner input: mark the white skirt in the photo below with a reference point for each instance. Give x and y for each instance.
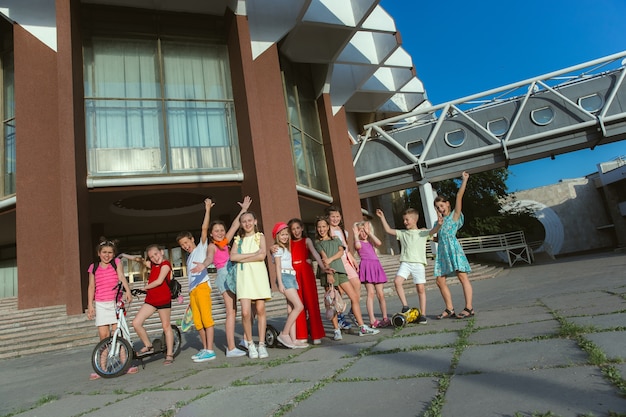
(105, 313)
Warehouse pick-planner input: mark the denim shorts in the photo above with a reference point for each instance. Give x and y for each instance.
(220, 279)
(289, 281)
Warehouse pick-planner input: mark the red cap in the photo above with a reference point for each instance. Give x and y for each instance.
(277, 228)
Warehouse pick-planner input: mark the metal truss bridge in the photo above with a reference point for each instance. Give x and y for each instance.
(575, 108)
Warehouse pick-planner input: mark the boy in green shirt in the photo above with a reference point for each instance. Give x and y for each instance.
(412, 257)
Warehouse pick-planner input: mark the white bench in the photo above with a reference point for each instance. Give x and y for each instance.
(513, 244)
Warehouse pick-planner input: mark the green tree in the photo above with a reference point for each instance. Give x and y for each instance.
(482, 204)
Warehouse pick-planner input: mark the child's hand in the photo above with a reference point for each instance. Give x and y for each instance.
(91, 313)
(281, 288)
(208, 203)
(245, 205)
(198, 268)
(380, 213)
(274, 248)
(465, 175)
(129, 297)
(330, 278)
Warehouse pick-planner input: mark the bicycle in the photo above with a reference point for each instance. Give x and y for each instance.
(114, 355)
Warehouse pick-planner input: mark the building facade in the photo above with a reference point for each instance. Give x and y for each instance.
(120, 117)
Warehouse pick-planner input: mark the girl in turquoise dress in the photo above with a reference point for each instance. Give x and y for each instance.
(450, 256)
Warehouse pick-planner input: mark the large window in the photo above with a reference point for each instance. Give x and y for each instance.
(157, 106)
(7, 137)
(304, 128)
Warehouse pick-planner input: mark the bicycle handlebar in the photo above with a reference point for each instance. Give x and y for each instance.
(136, 292)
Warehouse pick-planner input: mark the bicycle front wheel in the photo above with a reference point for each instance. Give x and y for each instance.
(110, 360)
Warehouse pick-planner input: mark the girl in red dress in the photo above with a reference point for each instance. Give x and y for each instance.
(301, 250)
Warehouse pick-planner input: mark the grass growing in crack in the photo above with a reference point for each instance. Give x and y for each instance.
(571, 330)
(46, 399)
(435, 406)
(611, 373)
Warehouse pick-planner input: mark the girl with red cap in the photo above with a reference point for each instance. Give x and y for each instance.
(287, 285)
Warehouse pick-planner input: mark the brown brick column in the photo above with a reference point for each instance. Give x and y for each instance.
(337, 147)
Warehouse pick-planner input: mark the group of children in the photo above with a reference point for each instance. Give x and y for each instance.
(292, 254)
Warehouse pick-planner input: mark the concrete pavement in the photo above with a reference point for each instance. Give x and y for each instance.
(546, 338)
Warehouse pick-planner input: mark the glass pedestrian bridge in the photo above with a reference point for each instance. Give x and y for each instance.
(575, 108)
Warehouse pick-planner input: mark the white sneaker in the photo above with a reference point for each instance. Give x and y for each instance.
(338, 335)
(252, 352)
(317, 341)
(263, 351)
(235, 353)
(367, 331)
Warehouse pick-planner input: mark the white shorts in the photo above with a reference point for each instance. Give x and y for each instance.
(105, 313)
(415, 269)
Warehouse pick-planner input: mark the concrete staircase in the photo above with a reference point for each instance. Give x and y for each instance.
(26, 332)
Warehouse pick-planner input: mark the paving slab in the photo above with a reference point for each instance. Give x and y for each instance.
(341, 349)
(249, 400)
(520, 355)
(512, 315)
(514, 332)
(215, 378)
(400, 364)
(565, 392)
(70, 406)
(300, 371)
(594, 302)
(611, 343)
(416, 342)
(405, 397)
(148, 403)
(601, 322)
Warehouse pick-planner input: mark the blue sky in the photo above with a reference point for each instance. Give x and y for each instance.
(461, 48)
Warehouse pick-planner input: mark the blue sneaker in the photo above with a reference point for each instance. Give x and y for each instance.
(207, 355)
(197, 355)
(343, 323)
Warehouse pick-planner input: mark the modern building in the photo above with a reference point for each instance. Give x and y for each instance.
(581, 214)
(121, 116)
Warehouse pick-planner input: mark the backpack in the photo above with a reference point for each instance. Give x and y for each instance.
(175, 288)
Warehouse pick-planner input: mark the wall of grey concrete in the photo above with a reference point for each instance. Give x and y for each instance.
(573, 214)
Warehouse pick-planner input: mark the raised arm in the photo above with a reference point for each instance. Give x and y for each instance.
(370, 234)
(245, 206)
(357, 239)
(383, 220)
(459, 197)
(207, 217)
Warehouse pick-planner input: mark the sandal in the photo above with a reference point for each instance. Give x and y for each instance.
(146, 350)
(467, 312)
(447, 314)
(94, 376)
(132, 370)
(169, 359)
